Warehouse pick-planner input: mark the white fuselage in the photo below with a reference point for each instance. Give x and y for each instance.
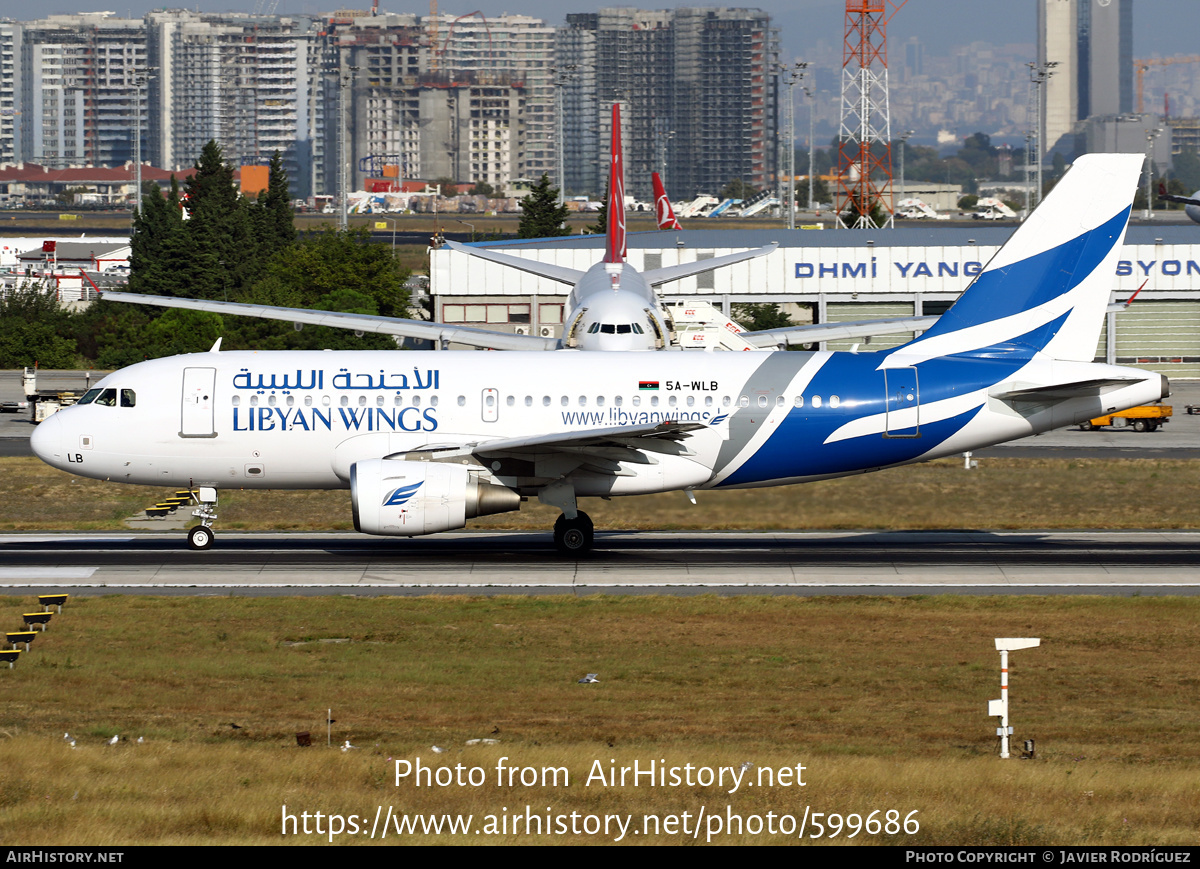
(295, 420)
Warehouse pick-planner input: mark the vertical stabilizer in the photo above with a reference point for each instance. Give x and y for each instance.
(1048, 288)
(616, 194)
(663, 212)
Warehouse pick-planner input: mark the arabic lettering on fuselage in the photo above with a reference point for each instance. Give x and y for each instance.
(314, 379)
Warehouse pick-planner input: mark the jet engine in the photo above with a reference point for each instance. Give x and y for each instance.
(407, 499)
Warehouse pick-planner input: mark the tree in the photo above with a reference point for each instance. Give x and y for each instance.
(225, 254)
(1187, 170)
(541, 215)
(820, 192)
(273, 211)
(757, 317)
(161, 255)
(32, 326)
(482, 188)
(737, 189)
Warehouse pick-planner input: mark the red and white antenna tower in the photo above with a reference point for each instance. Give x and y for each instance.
(864, 140)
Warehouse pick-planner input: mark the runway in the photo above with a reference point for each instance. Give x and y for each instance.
(682, 563)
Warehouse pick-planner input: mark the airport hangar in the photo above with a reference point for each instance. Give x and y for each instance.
(839, 275)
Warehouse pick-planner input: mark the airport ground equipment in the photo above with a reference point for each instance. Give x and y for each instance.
(999, 708)
(1146, 417)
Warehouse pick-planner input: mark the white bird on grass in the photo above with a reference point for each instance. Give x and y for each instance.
(589, 678)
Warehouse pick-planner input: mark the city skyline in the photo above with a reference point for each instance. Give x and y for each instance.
(939, 24)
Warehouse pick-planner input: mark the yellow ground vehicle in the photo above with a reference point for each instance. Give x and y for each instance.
(1146, 417)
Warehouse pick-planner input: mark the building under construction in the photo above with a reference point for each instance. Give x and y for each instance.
(252, 83)
(699, 93)
(467, 98)
(79, 89)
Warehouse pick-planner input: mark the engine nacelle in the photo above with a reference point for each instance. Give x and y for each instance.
(407, 499)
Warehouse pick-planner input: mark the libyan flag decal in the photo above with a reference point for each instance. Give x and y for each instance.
(647, 384)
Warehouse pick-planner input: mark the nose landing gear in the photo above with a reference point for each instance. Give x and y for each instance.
(200, 537)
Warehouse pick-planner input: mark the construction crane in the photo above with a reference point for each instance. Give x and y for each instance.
(1142, 65)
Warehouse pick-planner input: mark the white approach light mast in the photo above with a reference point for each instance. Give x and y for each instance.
(999, 707)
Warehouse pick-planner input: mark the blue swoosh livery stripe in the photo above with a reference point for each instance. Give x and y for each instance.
(1031, 282)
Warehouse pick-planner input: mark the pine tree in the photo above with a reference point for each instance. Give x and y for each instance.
(161, 259)
(221, 230)
(273, 211)
(541, 215)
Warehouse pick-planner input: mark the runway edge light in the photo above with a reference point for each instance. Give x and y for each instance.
(999, 708)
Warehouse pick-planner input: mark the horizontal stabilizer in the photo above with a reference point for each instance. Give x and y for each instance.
(562, 274)
(1064, 391)
(356, 322)
(655, 277)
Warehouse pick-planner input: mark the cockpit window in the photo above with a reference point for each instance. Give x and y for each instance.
(128, 398)
(638, 329)
(608, 329)
(623, 329)
(107, 398)
(594, 328)
(89, 396)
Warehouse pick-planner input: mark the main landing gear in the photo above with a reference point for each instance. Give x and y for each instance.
(573, 536)
(201, 537)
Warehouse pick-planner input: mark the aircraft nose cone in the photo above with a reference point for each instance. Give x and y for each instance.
(46, 441)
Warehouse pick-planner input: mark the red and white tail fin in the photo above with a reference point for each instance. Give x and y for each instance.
(663, 212)
(616, 194)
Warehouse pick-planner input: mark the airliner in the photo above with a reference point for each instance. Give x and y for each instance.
(427, 440)
(611, 306)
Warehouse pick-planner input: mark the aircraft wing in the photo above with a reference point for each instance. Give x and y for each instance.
(562, 274)
(655, 277)
(357, 322)
(599, 449)
(807, 334)
(1184, 200)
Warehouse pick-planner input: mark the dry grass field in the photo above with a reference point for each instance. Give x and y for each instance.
(883, 701)
(1000, 494)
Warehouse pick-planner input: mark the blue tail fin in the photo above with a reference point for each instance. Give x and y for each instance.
(1049, 286)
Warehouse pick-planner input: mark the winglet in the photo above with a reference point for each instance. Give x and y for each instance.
(663, 212)
(616, 194)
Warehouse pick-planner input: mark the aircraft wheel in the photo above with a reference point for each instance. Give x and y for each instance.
(573, 536)
(200, 537)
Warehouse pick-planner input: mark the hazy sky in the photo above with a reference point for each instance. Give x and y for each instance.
(1160, 26)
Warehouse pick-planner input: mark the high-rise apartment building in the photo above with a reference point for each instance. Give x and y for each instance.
(81, 94)
(468, 98)
(514, 50)
(252, 83)
(10, 92)
(699, 95)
